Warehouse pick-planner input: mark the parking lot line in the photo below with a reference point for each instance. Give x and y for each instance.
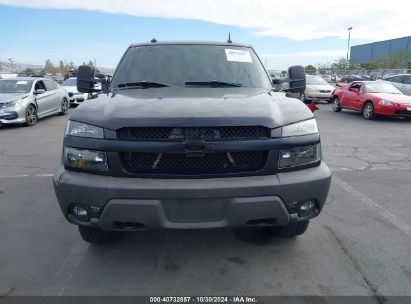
(393, 219)
(26, 175)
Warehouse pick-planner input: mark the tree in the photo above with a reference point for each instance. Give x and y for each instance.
(398, 60)
(323, 68)
(49, 67)
(310, 69)
(28, 71)
(340, 64)
(371, 65)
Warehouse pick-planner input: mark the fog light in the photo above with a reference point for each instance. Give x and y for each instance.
(85, 212)
(306, 208)
(82, 213)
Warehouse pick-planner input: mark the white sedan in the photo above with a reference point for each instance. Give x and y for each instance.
(75, 97)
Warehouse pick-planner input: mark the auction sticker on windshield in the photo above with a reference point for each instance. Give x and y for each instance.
(238, 55)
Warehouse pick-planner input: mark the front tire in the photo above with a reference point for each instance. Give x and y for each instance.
(64, 107)
(31, 115)
(98, 235)
(368, 111)
(293, 229)
(303, 98)
(336, 105)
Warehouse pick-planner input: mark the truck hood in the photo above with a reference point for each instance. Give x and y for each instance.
(7, 97)
(184, 107)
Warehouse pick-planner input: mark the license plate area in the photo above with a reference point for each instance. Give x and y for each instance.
(195, 210)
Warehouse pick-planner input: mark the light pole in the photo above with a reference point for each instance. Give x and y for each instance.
(11, 63)
(348, 47)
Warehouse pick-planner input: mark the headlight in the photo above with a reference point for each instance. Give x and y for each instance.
(14, 103)
(80, 129)
(386, 103)
(305, 127)
(299, 156)
(88, 160)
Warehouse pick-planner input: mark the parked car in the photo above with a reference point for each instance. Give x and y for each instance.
(316, 89)
(366, 77)
(327, 78)
(26, 99)
(350, 78)
(75, 97)
(402, 82)
(190, 135)
(372, 99)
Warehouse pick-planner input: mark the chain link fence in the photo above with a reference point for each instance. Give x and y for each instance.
(373, 74)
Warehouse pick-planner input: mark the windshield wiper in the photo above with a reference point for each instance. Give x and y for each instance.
(213, 84)
(141, 85)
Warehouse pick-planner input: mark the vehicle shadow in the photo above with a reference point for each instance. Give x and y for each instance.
(40, 121)
(187, 261)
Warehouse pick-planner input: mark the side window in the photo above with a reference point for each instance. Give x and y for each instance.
(395, 79)
(406, 79)
(50, 85)
(40, 85)
(355, 85)
(362, 88)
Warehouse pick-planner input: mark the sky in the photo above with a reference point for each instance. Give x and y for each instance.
(282, 32)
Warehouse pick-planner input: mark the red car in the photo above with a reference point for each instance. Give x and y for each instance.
(372, 98)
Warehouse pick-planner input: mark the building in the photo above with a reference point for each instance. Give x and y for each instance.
(373, 51)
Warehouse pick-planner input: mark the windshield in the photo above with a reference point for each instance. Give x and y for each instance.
(15, 86)
(382, 88)
(315, 80)
(71, 82)
(177, 65)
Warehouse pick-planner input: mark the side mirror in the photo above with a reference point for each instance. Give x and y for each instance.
(85, 79)
(296, 76)
(87, 82)
(356, 91)
(39, 91)
(276, 81)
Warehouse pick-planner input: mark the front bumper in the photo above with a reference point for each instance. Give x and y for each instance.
(78, 99)
(399, 111)
(12, 115)
(191, 203)
(319, 96)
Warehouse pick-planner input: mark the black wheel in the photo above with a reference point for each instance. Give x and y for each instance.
(31, 115)
(99, 236)
(303, 97)
(368, 111)
(336, 105)
(64, 107)
(293, 229)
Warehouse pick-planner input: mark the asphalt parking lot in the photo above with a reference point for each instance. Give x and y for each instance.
(360, 244)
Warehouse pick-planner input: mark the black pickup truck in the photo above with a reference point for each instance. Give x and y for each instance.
(190, 135)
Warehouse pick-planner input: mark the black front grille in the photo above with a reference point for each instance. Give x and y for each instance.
(181, 164)
(202, 133)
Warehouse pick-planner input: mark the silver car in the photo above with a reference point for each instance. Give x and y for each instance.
(26, 99)
(402, 82)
